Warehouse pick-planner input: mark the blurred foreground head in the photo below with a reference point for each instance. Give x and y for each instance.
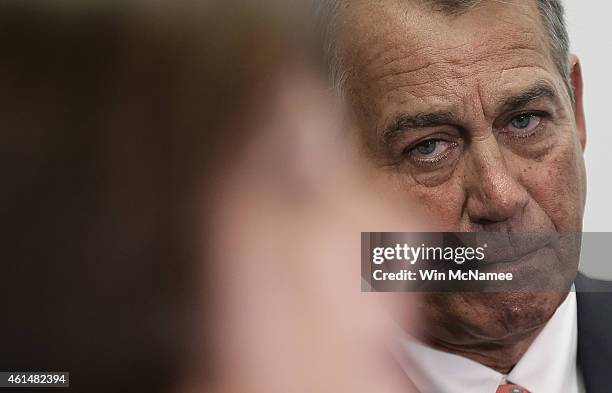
(179, 209)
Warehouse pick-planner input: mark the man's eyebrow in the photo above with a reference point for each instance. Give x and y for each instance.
(538, 90)
(421, 120)
(404, 121)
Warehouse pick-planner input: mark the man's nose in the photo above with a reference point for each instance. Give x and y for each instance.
(494, 194)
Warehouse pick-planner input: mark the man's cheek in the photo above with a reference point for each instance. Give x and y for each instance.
(556, 183)
(442, 205)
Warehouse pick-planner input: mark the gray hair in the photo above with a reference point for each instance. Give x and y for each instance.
(551, 11)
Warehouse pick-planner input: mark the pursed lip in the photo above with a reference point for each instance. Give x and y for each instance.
(529, 270)
(508, 248)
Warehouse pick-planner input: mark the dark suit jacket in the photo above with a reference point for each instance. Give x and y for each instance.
(594, 298)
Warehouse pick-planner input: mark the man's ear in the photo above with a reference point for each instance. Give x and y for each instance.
(577, 87)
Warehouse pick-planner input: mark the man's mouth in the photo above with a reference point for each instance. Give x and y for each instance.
(503, 248)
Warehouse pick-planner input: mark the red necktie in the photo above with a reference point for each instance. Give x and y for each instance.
(511, 388)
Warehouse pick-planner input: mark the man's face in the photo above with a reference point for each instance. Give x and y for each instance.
(468, 115)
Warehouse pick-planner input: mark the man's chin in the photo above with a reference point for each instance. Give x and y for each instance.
(494, 318)
(509, 316)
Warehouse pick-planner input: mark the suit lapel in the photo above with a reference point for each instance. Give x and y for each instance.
(594, 299)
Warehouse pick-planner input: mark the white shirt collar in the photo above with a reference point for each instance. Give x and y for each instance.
(549, 365)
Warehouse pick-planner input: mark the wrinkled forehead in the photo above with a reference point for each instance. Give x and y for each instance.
(401, 48)
(374, 33)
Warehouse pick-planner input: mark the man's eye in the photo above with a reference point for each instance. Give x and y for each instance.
(427, 147)
(523, 125)
(430, 151)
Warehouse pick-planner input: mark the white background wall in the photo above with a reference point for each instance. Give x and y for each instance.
(590, 30)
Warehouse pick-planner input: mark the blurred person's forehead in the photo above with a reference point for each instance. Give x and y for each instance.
(198, 59)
